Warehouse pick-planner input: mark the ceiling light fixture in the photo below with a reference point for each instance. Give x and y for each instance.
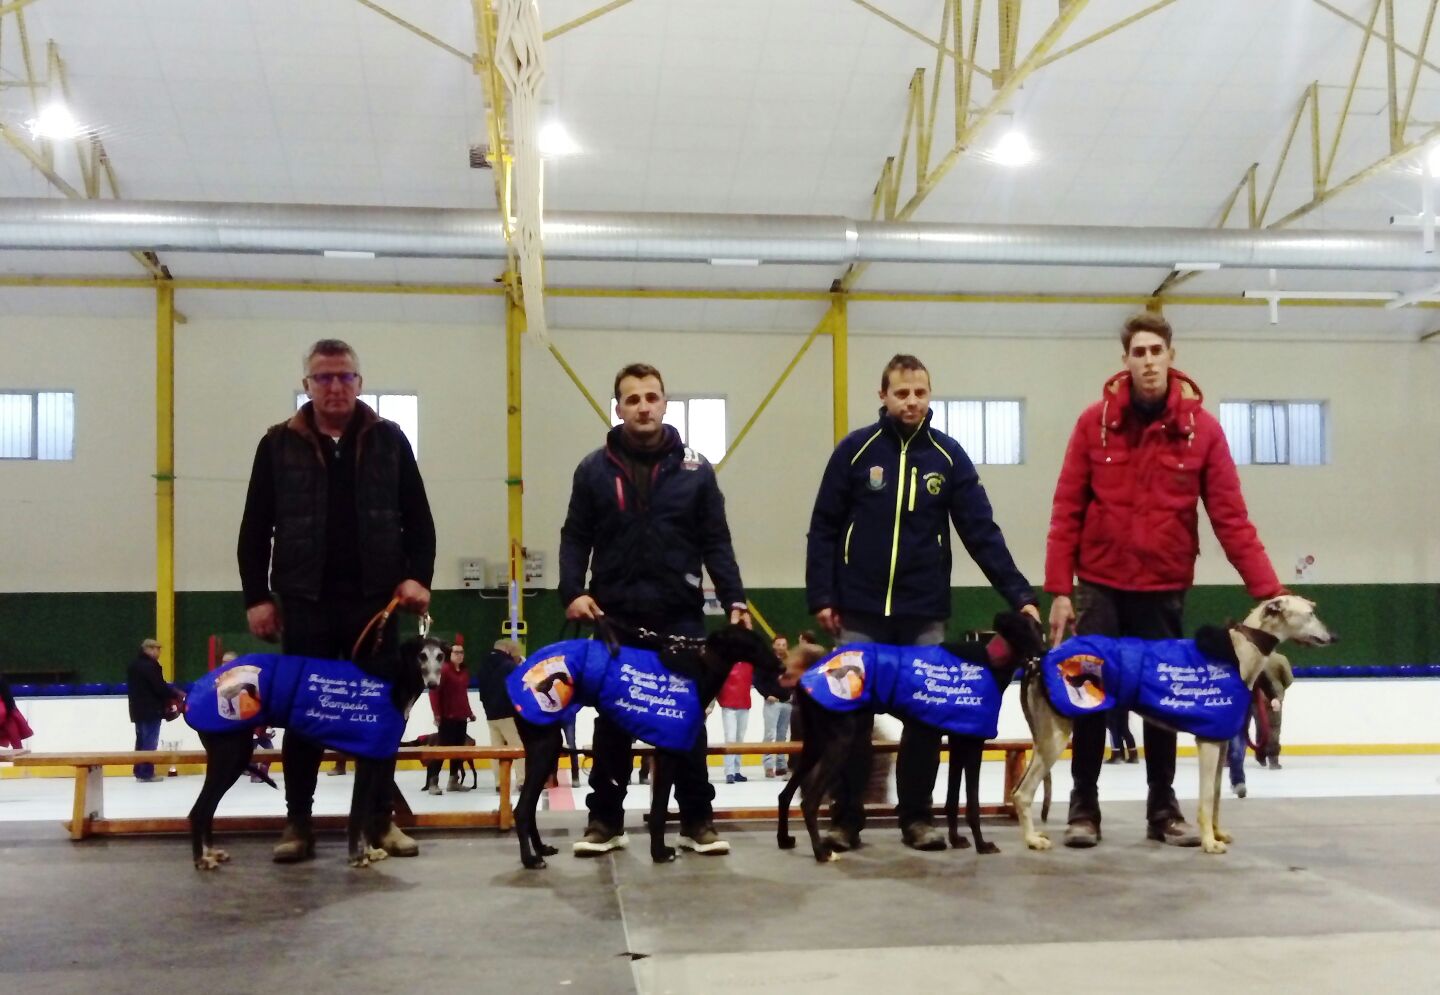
(348, 254)
(54, 122)
(1013, 149)
(556, 141)
(1196, 267)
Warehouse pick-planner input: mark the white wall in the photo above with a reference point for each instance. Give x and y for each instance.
(89, 525)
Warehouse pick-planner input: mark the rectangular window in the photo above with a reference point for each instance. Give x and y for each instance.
(1275, 433)
(699, 420)
(37, 425)
(988, 430)
(402, 409)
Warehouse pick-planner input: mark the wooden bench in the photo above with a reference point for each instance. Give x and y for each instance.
(88, 809)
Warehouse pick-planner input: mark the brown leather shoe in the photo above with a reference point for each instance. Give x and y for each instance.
(1173, 832)
(1082, 834)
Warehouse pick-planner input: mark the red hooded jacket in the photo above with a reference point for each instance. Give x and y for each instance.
(1125, 512)
(735, 692)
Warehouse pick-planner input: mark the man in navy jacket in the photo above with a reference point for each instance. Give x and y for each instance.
(878, 566)
(645, 514)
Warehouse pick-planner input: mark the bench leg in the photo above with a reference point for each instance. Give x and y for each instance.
(89, 800)
(507, 813)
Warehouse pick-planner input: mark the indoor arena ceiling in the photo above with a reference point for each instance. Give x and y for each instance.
(749, 107)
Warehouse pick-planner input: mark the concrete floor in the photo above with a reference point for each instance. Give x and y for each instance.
(1316, 896)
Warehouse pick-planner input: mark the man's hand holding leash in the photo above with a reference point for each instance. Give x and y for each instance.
(583, 609)
(1062, 618)
(264, 621)
(413, 596)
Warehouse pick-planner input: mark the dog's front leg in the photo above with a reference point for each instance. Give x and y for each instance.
(1210, 757)
(361, 828)
(542, 756)
(955, 770)
(662, 776)
(974, 751)
(1220, 768)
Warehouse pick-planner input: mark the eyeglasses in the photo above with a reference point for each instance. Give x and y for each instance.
(326, 379)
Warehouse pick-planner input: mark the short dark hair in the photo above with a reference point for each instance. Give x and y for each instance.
(1146, 321)
(638, 371)
(331, 347)
(900, 361)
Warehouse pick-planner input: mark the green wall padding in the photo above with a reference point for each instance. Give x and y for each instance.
(96, 634)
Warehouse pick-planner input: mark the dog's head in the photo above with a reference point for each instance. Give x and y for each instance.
(802, 657)
(421, 661)
(1018, 639)
(1291, 618)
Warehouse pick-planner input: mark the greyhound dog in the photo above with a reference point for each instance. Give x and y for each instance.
(227, 756)
(1247, 646)
(705, 662)
(831, 738)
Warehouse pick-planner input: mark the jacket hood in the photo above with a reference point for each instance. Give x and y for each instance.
(1183, 399)
(888, 421)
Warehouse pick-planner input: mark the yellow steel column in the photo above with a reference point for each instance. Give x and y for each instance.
(165, 475)
(514, 459)
(840, 365)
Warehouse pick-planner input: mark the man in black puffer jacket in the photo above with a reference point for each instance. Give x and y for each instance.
(878, 567)
(336, 524)
(645, 514)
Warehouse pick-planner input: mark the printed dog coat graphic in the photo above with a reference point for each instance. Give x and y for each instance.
(632, 688)
(238, 694)
(926, 683)
(1167, 680)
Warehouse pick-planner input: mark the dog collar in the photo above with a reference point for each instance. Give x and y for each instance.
(1262, 640)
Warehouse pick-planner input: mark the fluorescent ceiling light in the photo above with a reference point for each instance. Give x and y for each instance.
(348, 254)
(734, 262)
(54, 122)
(556, 141)
(1196, 267)
(1013, 149)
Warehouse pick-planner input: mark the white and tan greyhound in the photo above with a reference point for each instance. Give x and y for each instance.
(1285, 618)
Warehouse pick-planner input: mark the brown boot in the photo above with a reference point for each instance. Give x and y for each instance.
(397, 844)
(296, 844)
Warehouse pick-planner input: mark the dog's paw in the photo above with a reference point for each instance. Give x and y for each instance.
(1038, 842)
(987, 848)
(958, 842)
(221, 855)
(376, 854)
(785, 842)
(546, 850)
(534, 863)
(359, 861)
(1223, 836)
(827, 856)
(207, 863)
(662, 854)
(1213, 846)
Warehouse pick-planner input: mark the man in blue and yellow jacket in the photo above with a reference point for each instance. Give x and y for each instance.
(878, 566)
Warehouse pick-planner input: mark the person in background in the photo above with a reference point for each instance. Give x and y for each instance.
(776, 710)
(495, 700)
(734, 702)
(450, 703)
(149, 696)
(1122, 740)
(14, 730)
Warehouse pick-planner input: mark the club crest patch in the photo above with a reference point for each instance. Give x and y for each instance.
(845, 675)
(551, 683)
(933, 482)
(877, 478)
(691, 459)
(1083, 682)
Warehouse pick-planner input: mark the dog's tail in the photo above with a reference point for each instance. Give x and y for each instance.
(255, 770)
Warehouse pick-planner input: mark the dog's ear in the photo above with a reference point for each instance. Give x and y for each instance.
(1214, 643)
(1275, 607)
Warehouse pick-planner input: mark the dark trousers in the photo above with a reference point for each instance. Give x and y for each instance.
(1105, 611)
(613, 757)
(1117, 721)
(919, 758)
(448, 732)
(147, 738)
(327, 630)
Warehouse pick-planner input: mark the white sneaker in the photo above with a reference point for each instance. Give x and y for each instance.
(598, 840)
(705, 840)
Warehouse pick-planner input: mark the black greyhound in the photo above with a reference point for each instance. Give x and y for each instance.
(706, 661)
(831, 739)
(227, 756)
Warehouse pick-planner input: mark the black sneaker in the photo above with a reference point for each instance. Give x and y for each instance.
(704, 840)
(599, 839)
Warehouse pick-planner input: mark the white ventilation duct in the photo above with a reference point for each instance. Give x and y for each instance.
(462, 234)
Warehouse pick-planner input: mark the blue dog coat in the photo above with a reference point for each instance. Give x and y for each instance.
(1167, 680)
(632, 689)
(331, 701)
(925, 683)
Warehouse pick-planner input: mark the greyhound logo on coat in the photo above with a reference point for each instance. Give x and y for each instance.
(551, 683)
(845, 675)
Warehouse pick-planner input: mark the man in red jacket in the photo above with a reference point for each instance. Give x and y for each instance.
(1124, 522)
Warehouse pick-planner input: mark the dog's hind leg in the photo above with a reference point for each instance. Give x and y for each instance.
(226, 757)
(798, 771)
(662, 777)
(362, 830)
(1211, 755)
(974, 752)
(1050, 732)
(952, 792)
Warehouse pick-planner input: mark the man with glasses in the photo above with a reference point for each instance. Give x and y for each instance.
(336, 524)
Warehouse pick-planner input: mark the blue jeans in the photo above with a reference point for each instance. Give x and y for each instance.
(147, 737)
(734, 721)
(777, 730)
(1236, 756)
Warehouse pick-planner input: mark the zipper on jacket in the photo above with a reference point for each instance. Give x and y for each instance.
(895, 535)
(914, 471)
(848, 532)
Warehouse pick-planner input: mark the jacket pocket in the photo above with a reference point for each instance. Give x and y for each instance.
(1110, 473)
(1177, 479)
